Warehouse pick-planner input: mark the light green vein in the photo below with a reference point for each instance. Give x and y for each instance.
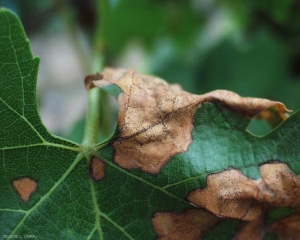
(143, 180)
(97, 210)
(283, 135)
(116, 225)
(47, 144)
(12, 210)
(25, 119)
(91, 234)
(44, 142)
(48, 194)
(184, 181)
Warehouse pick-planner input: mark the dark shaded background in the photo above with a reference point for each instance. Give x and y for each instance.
(250, 47)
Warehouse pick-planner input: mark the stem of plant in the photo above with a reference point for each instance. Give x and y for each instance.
(96, 99)
(92, 119)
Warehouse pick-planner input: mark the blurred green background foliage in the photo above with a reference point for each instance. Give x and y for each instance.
(250, 47)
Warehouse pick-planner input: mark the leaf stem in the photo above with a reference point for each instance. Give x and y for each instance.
(93, 118)
(96, 99)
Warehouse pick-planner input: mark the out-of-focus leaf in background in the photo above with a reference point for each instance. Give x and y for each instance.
(250, 47)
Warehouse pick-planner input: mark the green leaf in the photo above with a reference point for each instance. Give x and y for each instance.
(66, 204)
(148, 129)
(27, 148)
(52, 189)
(151, 21)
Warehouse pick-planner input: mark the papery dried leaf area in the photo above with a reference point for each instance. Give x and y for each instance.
(230, 194)
(156, 118)
(233, 195)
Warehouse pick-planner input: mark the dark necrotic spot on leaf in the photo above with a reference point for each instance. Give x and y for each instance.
(97, 169)
(25, 187)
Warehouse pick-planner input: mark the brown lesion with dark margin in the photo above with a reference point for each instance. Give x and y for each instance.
(231, 194)
(97, 169)
(25, 187)
(188, 225)
(156, 118)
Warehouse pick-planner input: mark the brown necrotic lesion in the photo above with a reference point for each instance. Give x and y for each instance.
(231, 194)
(156, 118)
(97, 169)
(25, 187)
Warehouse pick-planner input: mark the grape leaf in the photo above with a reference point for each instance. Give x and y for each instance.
(139, 183)
(163, 130)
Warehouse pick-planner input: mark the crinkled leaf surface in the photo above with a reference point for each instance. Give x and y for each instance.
(50, 189)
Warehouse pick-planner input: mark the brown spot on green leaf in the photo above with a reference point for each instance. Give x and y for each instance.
(25, 187)
(188, 225)
(156, 118)
(231, 194)
(287, 228)
(97, 169)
